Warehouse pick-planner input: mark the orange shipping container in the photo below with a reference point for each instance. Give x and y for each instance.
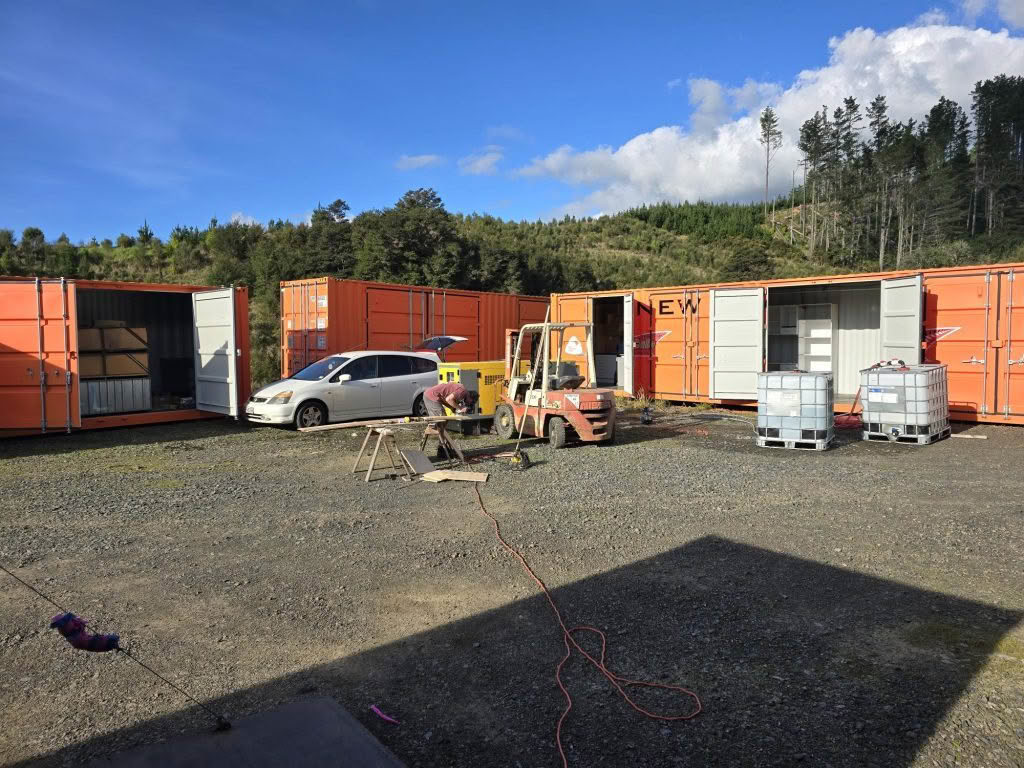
(325, 315)
(706, 343)
(188, 349)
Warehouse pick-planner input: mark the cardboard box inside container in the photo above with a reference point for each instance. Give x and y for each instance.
(90, 365)
(124, 364)
(115, 339)
(90, 340)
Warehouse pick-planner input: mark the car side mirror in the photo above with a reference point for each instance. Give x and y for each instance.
(344, 377)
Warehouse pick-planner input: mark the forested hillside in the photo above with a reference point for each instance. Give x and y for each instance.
(945, 190)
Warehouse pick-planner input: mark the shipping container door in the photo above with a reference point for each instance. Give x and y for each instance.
(737, 342)
(459, 316)
(668, 342)
(318, 316)
(576, 309)
(396, 319)
(294, 335)
(530, 311)
(958, 325)
(1011, 392)
(901, 319)
(38, 357)
(642, 324)
(628, 384)
(213, 319)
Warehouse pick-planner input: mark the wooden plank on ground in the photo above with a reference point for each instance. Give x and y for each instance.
(440, 475)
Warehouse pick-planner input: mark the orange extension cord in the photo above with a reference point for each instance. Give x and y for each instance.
(620, 683)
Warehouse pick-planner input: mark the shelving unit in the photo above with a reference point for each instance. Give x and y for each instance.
(815, 325)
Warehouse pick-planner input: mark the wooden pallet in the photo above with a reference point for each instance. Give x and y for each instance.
(804, 445)
(907, 439)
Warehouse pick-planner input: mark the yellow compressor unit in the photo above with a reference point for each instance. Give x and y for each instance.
(484, 378)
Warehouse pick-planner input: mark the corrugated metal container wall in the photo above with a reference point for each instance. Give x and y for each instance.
(972, 320)
(323, 316)
(39, 333)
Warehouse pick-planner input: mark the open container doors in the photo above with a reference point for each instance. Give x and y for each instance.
(737, 342)
(900, 320)
(637, 342)
(636, 338)
(216, 351)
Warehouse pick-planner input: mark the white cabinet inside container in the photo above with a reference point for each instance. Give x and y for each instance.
(815, 326)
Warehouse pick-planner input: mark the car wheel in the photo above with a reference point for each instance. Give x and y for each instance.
(557, 432)
(419, 408)
(505, 422)
(310, 415)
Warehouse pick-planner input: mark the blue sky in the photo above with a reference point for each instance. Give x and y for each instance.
(115, 112)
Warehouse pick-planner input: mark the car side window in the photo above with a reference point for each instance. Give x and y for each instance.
(422, 365)
(362, 368)
(394, 365)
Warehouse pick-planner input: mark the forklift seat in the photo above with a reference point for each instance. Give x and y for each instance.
(566, 382)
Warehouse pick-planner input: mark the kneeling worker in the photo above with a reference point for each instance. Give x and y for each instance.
(451, 394)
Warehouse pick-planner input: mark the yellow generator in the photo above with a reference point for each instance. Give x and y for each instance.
(484, 378)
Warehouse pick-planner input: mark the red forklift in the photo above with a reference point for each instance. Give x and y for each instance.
(550, 399)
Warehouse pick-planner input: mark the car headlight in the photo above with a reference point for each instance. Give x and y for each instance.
(280, 398)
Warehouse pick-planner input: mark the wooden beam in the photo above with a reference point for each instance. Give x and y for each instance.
(440, 475)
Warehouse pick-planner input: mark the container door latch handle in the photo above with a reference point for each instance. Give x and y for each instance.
(973, 360)
(1016, 362)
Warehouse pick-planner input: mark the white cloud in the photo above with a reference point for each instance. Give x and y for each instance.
(754, 95)
(242, 218)
(674, 83)
(710, 102)
(413, 162)
(931, 17)
(482, 163)
(719, 158)
(1010, 11)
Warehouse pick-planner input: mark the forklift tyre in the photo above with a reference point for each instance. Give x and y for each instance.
(505, 422)
(557, 432)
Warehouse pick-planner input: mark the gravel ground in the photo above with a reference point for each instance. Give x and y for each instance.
(856, 607)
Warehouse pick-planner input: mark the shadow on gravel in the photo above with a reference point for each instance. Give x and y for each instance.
(796, 662)
(55, 443)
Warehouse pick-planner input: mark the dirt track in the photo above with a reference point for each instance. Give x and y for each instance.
(857, 607)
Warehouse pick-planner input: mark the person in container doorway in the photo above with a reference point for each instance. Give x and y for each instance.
(451, 394)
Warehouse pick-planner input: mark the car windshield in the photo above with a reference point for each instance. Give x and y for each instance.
(320, 369)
